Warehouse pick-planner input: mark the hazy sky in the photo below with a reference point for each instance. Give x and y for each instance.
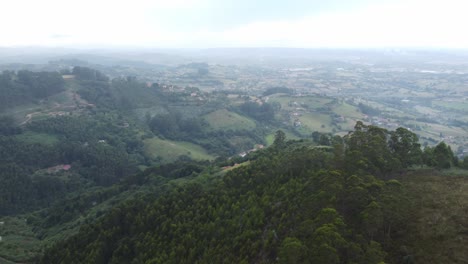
(237, 23)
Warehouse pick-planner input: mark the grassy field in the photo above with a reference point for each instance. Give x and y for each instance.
(394, 112)
(446, 130)
(290, 103)
(439, 232)
(169, 151)
(316, 122)
(347, 110)
(270, 138)
(314, 113)
(426, 110)
(314, 102)
(39, 138)
(223, 120)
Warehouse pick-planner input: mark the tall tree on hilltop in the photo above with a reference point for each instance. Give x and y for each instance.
(404, 144)
(443, 156)
(367, 150)
(280, 139)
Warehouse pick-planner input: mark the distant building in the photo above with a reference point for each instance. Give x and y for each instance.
(62, 167)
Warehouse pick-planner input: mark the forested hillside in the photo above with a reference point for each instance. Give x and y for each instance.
(294, 203)
(90, 131)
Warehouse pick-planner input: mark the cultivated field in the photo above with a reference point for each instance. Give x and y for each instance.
(169, 151)
(224, 120)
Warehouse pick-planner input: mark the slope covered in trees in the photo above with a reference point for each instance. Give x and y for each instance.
(96, 151)
(294, 203)
(26, 86)
(98, 143)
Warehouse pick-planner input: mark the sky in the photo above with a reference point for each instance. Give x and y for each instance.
(237, 23)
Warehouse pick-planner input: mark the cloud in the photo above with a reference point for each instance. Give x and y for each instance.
(157, 23)
(403, 24)
(59, 36)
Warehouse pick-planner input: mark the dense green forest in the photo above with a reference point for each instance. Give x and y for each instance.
(294, 203)
(83, 187)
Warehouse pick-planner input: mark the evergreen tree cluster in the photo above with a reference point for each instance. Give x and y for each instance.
(25, 86)
(295, 203)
